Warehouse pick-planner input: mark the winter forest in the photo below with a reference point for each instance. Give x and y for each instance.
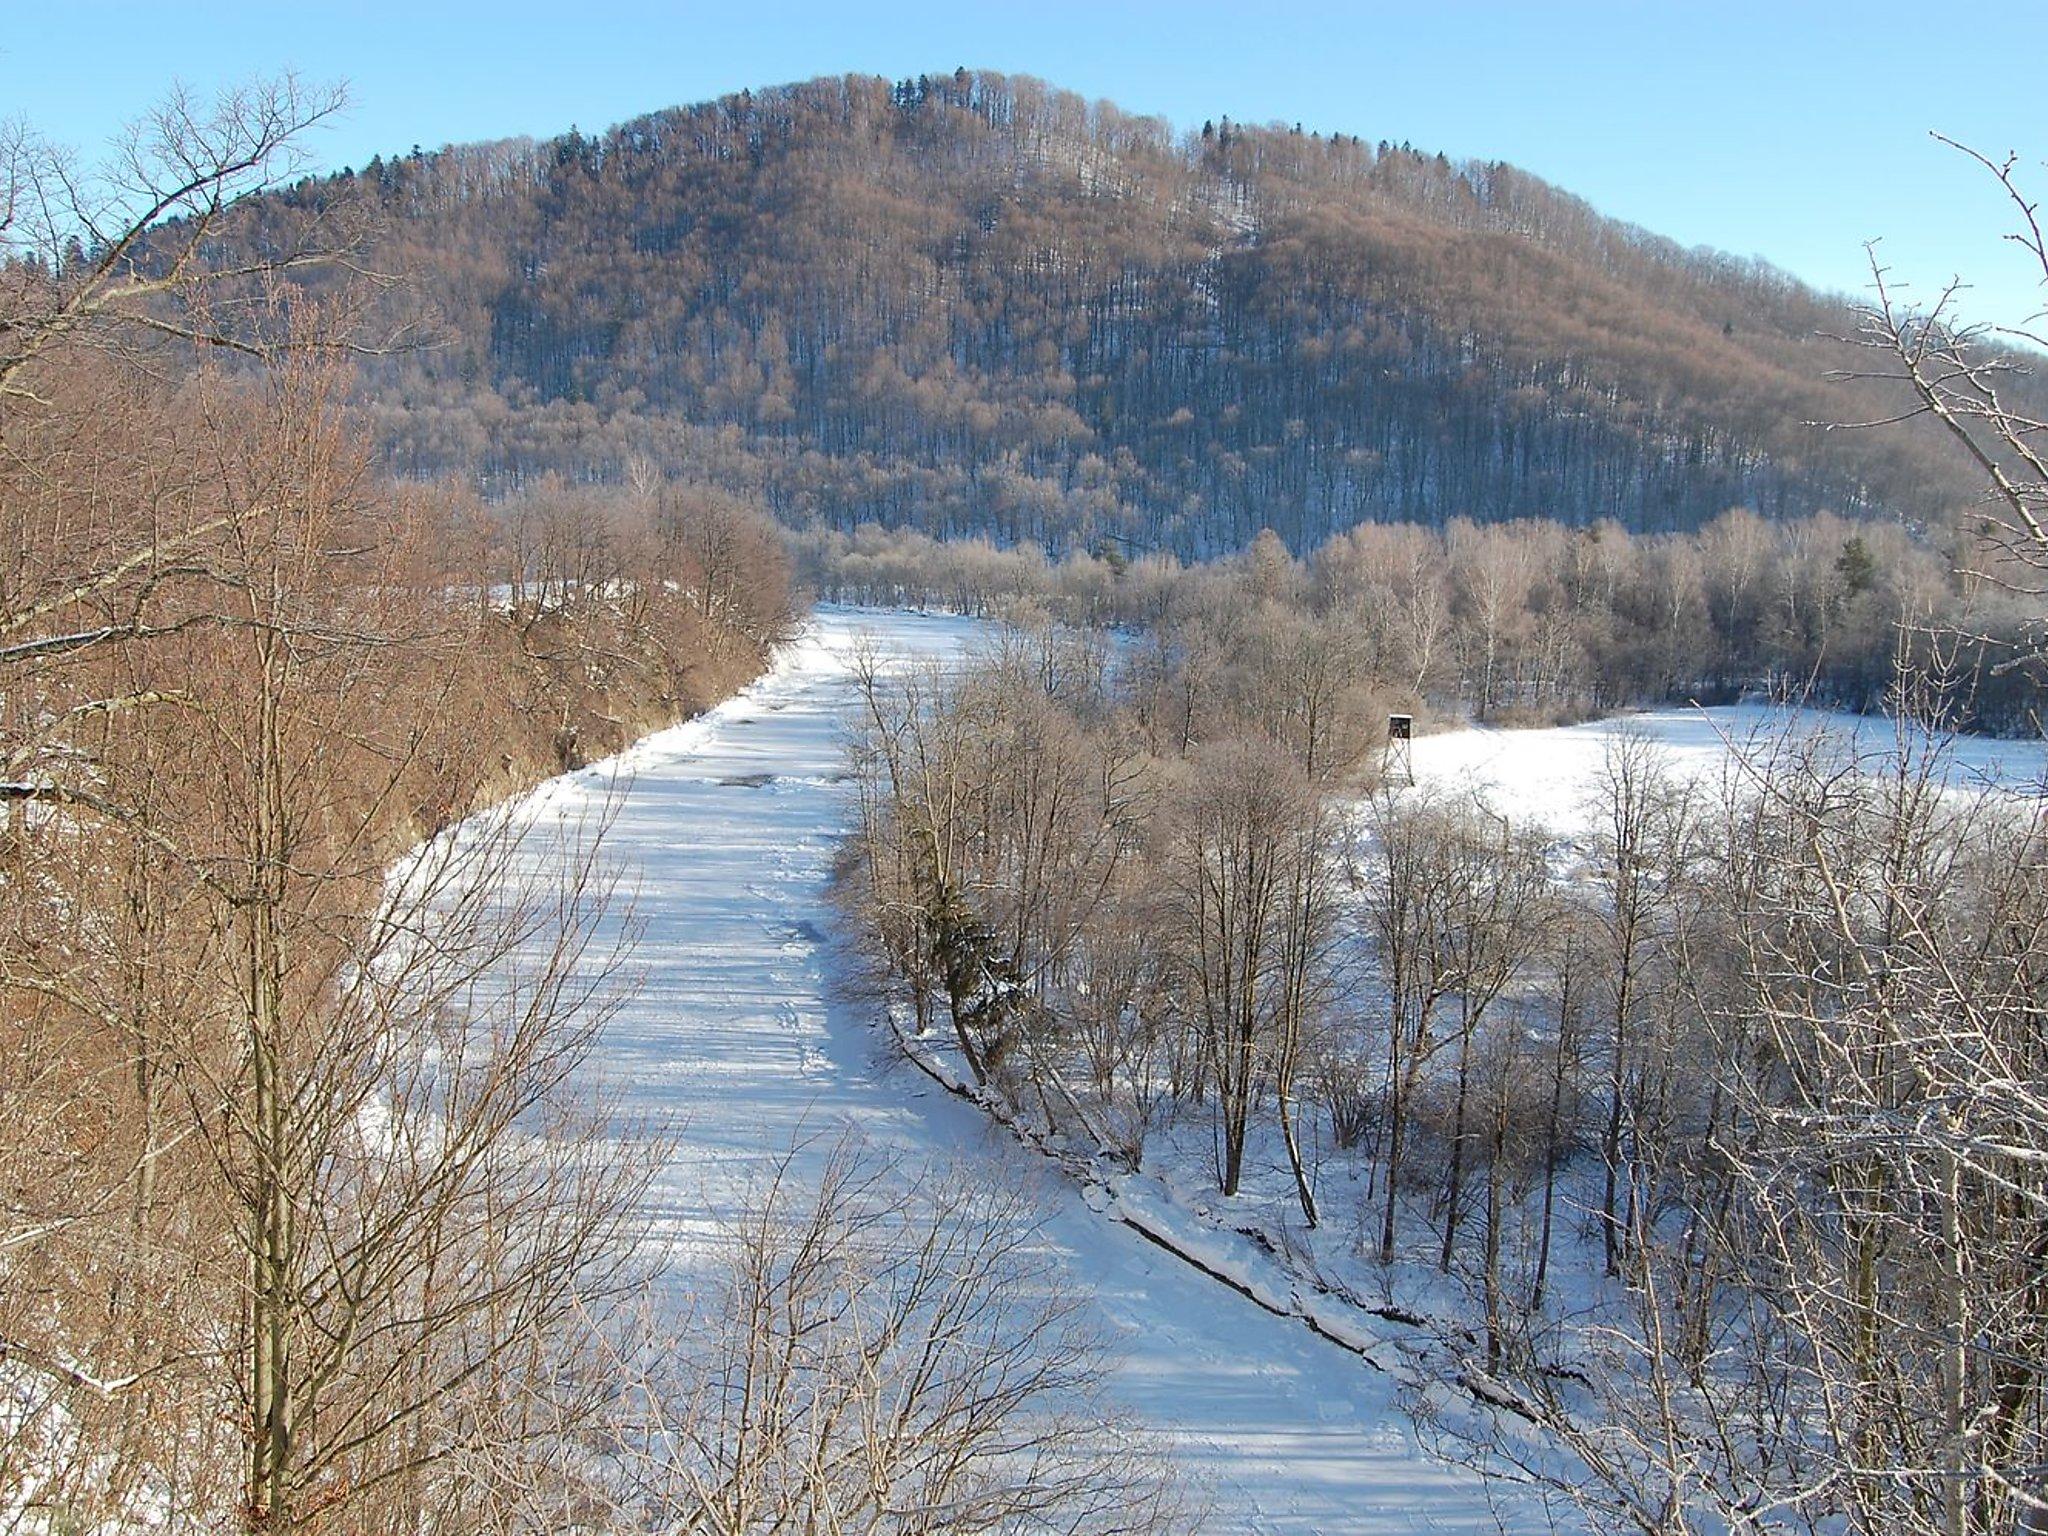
(909, 806)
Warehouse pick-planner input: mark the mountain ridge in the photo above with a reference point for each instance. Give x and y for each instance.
(974, 303)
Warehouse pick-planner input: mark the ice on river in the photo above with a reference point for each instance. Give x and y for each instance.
(725, 827)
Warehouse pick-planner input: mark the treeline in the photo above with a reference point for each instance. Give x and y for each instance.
(1533, 621)
(973, 304)
(1732, 1140)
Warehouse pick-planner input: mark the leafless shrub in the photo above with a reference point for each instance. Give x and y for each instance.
(890, 1357)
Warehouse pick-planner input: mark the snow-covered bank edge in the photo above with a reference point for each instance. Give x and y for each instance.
(1240, 1258)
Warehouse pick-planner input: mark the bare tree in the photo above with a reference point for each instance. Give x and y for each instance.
(1894, 1134)
(1251, 873)
(343, 1195)
(886, 1353)
(1407, 899)
(113, 253)
(1490, 937)
(1642, 842)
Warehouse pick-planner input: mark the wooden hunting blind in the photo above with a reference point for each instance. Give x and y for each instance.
(1397, 762)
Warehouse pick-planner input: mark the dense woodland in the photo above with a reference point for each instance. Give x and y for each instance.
(973, 304)
(241, 676)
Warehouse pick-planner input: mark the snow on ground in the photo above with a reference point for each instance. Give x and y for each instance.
(725, 828)
(1552, 776)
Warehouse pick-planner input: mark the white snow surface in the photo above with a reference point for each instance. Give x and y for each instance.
(1553, 777)
(725, 828)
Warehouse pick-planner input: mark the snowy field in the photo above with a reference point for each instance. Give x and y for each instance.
(1554, 776)
(725, 829)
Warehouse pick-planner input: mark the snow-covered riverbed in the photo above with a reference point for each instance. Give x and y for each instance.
(726, 829)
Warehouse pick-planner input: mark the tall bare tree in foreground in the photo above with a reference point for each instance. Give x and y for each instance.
(111, 254)
(338, 1193)
(308, 1219)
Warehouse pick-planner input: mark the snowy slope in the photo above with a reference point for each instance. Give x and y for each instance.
(726, 828)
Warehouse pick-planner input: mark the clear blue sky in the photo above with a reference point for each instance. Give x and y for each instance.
(1790, 130)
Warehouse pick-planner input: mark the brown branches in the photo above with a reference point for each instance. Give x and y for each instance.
(1958, 377)
(102, 255)
(885, 1353)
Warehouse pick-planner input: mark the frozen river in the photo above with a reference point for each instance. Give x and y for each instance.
(735, 1033)
(726, 828)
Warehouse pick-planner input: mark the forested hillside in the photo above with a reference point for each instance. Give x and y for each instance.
(972, 303)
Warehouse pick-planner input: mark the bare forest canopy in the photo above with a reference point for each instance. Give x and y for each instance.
(1530, 622)
(974, 304)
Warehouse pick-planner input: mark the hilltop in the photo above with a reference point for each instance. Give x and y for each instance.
(972, 303)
